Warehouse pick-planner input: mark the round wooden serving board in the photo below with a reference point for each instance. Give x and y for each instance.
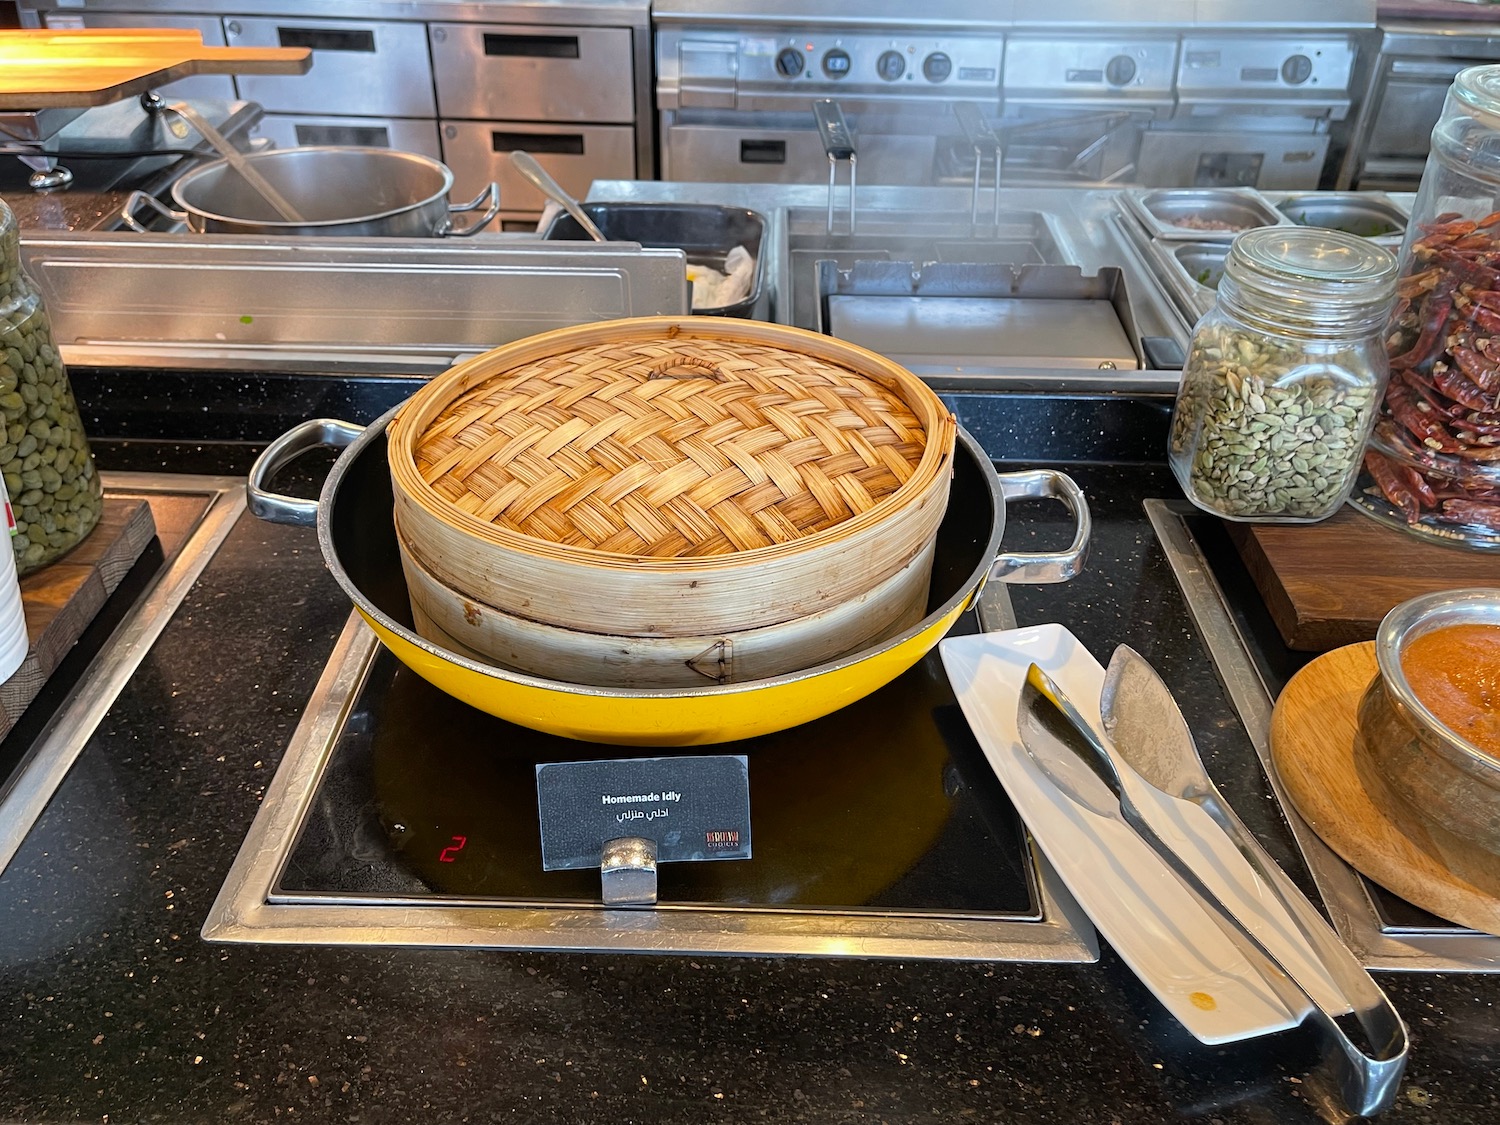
(1312, 745)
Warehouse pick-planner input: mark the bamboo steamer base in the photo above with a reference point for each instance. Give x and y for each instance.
(1312, 744)
(452, 620)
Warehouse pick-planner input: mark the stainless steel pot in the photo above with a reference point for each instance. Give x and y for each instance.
(343, 191)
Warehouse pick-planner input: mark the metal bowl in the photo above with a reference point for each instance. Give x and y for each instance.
(1448, 783)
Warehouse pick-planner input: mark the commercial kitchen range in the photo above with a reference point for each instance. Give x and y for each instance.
(254, 868)
(1178, 92)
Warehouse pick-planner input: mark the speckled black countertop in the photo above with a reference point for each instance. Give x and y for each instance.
(114, 1009)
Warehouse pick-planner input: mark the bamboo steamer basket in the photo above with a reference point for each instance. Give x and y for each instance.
(485, 633)
(669, 476)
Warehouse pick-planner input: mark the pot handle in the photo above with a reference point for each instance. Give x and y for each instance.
(137, 199)
(273, 507)
(491, 209)
(1042, 567)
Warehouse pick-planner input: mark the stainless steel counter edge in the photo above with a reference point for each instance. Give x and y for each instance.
(1342, 888)
(26, 794)
(248, 909)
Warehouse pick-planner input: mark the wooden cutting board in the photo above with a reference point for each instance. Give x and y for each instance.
(1329, 584)
(43, 69)
(1312, 746)
(63, 598)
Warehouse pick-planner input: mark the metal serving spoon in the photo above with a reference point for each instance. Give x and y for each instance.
(236, 160)
(526, 164)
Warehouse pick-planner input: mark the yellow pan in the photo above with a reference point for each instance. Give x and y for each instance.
(358, 538)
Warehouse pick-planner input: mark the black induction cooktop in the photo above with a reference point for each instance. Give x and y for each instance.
(887, 805)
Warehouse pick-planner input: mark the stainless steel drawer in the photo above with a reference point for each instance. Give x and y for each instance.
(359, 68)
(533, 73)
(576, 156)
(220, 86)
(1269, 161)
(746, 154)
(295, 130)
(1408, 103)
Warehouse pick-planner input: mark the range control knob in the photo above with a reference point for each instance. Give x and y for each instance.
(789, 62)
(1120, 70)
(936, 67)
(836, 63)
(1296, 70)
(891, 65)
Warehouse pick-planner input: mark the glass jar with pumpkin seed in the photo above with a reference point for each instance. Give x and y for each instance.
(1284, 375)
(44, 455)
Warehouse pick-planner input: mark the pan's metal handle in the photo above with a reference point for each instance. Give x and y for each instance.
(273, 507)
(491, 209)
(138, 199)
(1042, 567)
(838, 145)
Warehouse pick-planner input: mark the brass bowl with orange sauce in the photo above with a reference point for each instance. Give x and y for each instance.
(1426, 649)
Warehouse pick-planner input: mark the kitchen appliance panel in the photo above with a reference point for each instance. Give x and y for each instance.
(219, 86)
(533, 72)
(286, 130)
(1047, 69)
(1271, 161)
(478, 152)
(1270, 74)
(359, 68)
(762, 67)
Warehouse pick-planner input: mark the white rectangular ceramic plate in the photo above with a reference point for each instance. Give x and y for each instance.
(1170, 941)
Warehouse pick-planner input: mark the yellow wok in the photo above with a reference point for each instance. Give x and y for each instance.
(358, 539)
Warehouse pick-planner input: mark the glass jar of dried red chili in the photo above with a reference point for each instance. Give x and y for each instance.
(1433, 463)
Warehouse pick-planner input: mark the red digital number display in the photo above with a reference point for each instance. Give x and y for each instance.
(450, 853)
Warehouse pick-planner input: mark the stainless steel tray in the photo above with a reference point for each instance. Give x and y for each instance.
(1163, 211)
(385, 304)
(1368, 214)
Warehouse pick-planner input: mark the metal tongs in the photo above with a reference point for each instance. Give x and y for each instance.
(838, 145)
(1097, 774)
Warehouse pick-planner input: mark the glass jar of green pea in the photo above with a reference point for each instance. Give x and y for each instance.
(44, 455)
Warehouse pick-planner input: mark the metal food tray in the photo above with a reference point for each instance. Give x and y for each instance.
(1359, 213)
(1159, 210)
(706, 233)
(946, 317)
(1179, 265)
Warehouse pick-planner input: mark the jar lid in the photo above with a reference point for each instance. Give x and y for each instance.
(1478, 87)
(1312, 277)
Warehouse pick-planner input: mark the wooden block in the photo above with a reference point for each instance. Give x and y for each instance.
(1329, 584)
(63, 598)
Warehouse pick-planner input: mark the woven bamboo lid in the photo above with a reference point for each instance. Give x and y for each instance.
(660, 439)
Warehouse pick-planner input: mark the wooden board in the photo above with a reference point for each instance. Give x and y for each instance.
(1312, 748)
(43, 69)
(1329, 584)
(63, 598)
